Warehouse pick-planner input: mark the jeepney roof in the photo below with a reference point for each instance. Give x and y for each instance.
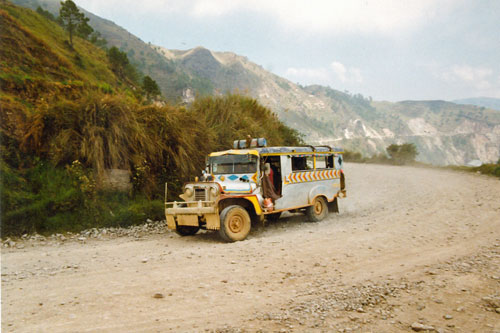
(279, 150)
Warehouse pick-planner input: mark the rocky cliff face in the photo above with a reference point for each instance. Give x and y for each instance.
(445, 133)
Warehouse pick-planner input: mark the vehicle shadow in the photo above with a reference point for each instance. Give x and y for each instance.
(287, 222)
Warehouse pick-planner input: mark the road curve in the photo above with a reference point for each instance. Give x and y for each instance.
(411, 248)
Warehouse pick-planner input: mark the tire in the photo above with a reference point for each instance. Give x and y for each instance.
(186, 230)
(318, 211)
(273, 217)
(235, 223)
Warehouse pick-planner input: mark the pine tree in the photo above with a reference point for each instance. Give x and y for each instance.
(118, 60)
(73, 20)
(150, 87)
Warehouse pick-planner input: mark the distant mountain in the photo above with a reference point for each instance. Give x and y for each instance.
(444, 132)
(486, 102)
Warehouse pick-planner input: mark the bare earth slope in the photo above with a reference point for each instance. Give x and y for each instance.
(411, 247)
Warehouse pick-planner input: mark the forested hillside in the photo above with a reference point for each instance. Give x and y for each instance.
(69, 115)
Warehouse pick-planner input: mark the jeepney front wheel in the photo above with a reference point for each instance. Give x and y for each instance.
(318, 210)
(235, 223)
(186, 230)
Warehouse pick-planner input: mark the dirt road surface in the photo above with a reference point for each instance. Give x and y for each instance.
(411, 250)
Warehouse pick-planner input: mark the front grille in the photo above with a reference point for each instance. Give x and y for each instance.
(200, 194)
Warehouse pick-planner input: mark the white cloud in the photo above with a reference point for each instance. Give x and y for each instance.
(313, 16)
(339, 70)
(345, 74)
(470, 80)
(334, 16)
(480, 78)
(336, 72)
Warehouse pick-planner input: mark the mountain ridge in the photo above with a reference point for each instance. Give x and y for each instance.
(486, 102)
(444, 132)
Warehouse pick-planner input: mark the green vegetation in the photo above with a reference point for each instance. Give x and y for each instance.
(402, 154)
(70, 114)
(118, 60)
(74, 21)
(150, 87)
(405, 155)
(46, 13)
(485, 169)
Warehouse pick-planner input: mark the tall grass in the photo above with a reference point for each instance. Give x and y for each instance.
(48, 199)
(157, 144)
(66, 119)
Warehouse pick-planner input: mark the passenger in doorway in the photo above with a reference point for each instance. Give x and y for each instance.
(268, 171)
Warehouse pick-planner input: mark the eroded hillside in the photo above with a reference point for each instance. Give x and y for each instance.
(445, 133)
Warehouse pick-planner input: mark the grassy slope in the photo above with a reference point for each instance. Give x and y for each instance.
(171, 78)
(39, 71)
(63, 104)
(36, 47)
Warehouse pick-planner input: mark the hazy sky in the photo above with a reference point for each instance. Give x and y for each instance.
(388, 49)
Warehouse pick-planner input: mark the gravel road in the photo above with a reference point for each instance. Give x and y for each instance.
(411, 250)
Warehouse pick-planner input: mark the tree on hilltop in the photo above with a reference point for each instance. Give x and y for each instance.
(74, 21)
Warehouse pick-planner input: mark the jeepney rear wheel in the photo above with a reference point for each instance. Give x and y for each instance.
(186, 230)
(235, 223)
(318, 210)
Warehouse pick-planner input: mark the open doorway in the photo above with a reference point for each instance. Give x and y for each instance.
(275, 173)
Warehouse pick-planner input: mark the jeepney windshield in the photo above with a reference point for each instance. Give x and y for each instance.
(238, 164)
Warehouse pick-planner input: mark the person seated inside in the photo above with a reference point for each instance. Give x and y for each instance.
(268, 188)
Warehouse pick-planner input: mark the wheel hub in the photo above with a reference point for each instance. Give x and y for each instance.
(235, 224)
(318, 207)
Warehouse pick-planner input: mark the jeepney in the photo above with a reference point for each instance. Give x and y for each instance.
(253, 182)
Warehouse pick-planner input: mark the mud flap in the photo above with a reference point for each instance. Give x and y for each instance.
(333, 207)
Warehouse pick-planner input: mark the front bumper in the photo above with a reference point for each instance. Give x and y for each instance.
(192, 213)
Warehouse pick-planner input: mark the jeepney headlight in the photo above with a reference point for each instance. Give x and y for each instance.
(188, 192)
(213, 191)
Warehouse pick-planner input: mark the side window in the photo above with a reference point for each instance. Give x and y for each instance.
(302, 163)
(329, 163)
(298, 163)
(324, 162)
(321, 162)
(310, 163)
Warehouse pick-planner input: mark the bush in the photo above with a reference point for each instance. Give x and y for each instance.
(51, 183)
(47, 199)
(38, 199)
(402, 154)
(356, 157)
